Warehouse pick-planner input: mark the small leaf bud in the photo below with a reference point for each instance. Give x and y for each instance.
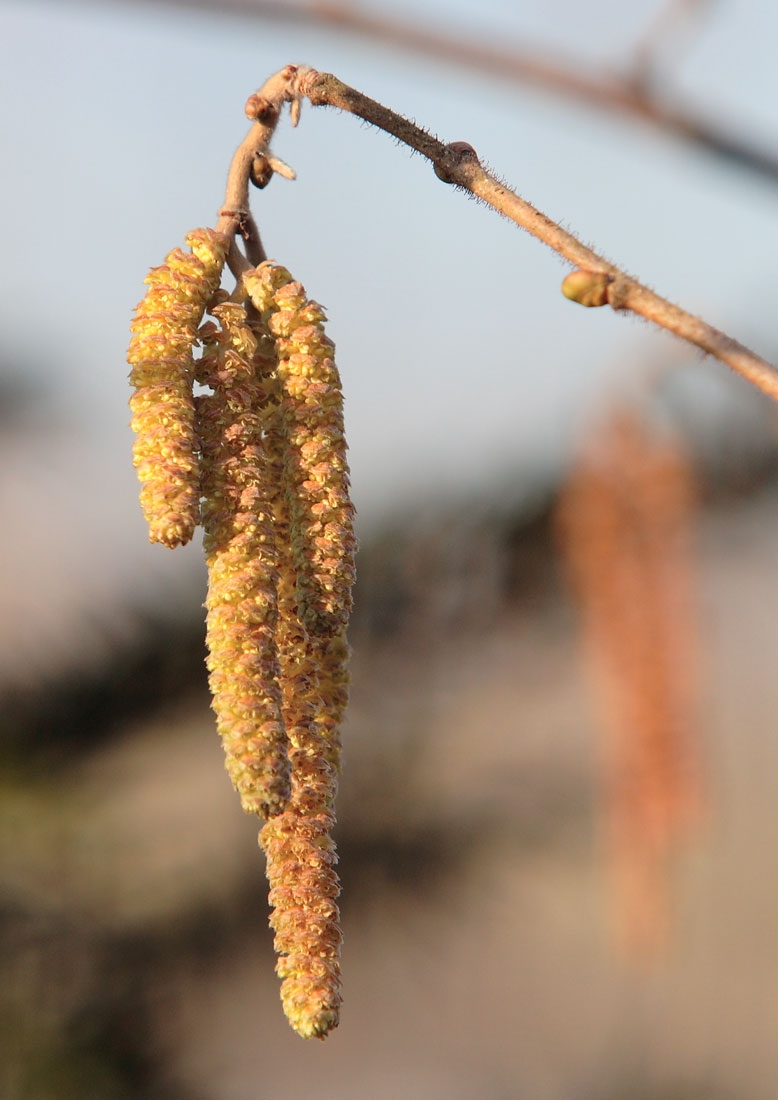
(588, 288)
(456, 152)
(261, 171)
(260, 109)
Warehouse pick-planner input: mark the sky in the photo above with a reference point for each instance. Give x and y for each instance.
(464, 368)
(118, 126)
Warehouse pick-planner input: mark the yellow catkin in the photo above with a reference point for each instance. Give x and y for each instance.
(316, 474)
(160, 354)
(241, 553)
(300, 852)
(624, 520)
(259, 458)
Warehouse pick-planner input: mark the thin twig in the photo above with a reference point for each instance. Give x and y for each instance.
(255, 250)
(237, 262)
(612, 93)
(264, 107)
(675, 20)
(458, 164)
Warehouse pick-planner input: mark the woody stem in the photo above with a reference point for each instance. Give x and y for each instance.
(465, 171)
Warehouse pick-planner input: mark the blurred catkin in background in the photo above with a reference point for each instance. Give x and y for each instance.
(625, 523)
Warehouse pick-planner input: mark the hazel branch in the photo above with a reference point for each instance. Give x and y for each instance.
(255, 250)
(519, 64)
(595, 282)
(458, 163)
(252, 161)
(630, 95)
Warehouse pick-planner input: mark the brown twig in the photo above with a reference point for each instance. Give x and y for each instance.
(264, 108)
(611, 92)
(255, 250)
(458, 164)
(235, 217)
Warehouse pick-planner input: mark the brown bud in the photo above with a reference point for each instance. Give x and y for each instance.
(260, 109)
(261, 172)
(456, 153)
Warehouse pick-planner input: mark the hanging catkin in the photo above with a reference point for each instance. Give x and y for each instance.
(315, 467)
(242, 558)
(300, 851)
(259, 457)
(160, 354)
(625, 526)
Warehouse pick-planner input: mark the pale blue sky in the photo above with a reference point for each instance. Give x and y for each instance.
(461, 360)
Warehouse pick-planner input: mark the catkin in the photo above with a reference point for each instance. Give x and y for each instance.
(316, 475)
(624, 520)
(259, 458)
(160, 354)
(242, 558)
(300, 852)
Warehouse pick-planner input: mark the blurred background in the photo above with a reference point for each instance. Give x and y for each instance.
(483, 957)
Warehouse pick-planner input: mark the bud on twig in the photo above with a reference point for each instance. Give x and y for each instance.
(588, 288)
(456, 153)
